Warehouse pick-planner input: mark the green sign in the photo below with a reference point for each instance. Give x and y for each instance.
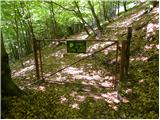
(76, 46)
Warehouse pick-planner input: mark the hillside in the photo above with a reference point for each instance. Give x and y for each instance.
(86, 89)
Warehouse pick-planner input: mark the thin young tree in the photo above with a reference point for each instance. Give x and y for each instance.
(95, 16)
(125, 5)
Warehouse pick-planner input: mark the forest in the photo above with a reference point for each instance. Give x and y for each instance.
(80, 59)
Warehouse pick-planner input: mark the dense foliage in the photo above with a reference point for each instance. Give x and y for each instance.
(49, 20)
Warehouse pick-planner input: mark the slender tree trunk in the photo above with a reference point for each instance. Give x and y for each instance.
(53, 21)
(81, 17)
(17, 37)
(118, 6)
(95, 16)
(26, 24)
(8, 87)
(12, 50)
(100, 12)
(79, 14)
(35, 47)
(104, 10)
(125, 5)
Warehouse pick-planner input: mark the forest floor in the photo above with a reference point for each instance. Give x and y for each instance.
(85, 90)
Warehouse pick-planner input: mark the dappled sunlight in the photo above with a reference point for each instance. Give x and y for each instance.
(130, 20)
(151, 29)
(157, 46)
(97, 46)
(110, 97)
(73, 94)
(112, 48)
(63, 99)
(73, 71)
(79, 73)
(59, 54)
(80, 36)
(47, 74)
(108, 77)
(141, 58)
(87, 77)
(96, 97)
(23, 71)
(129, 90)
(141, 81)
(54, 44)
(80, 98)
(41, 88)
(156, 10)
(28, 62)
(106, 84)
(75, 105)
(113, 107)
(91, 82)
(148, 47)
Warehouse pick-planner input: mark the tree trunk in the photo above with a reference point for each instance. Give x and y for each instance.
(17, 37)
(34, 45)
(95, 16)
(104, 10)
(27, 30)
(118, 7)
(125, 5)
(80, 16)
(53, 21)
(9, 88)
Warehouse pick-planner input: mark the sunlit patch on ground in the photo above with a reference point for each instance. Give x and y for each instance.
(127, 22)
(149, 47)
(59, 54)
(41, 88)
(129, 90)
(110, 97)
(141, 58)
(73, 71)
(81, 36)
(75, 105)
(151, 29)
(141, 81)
(97, 46)
(23, 71)
(63, 99)
(28, 62)
(106, 84)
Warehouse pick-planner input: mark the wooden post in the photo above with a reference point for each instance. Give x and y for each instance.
(36, 58)
(129, 36)
(123, 60)
(116, 76)
(125, 53)
(40, 59)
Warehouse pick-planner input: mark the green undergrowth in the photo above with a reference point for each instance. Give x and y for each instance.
(35, 105)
